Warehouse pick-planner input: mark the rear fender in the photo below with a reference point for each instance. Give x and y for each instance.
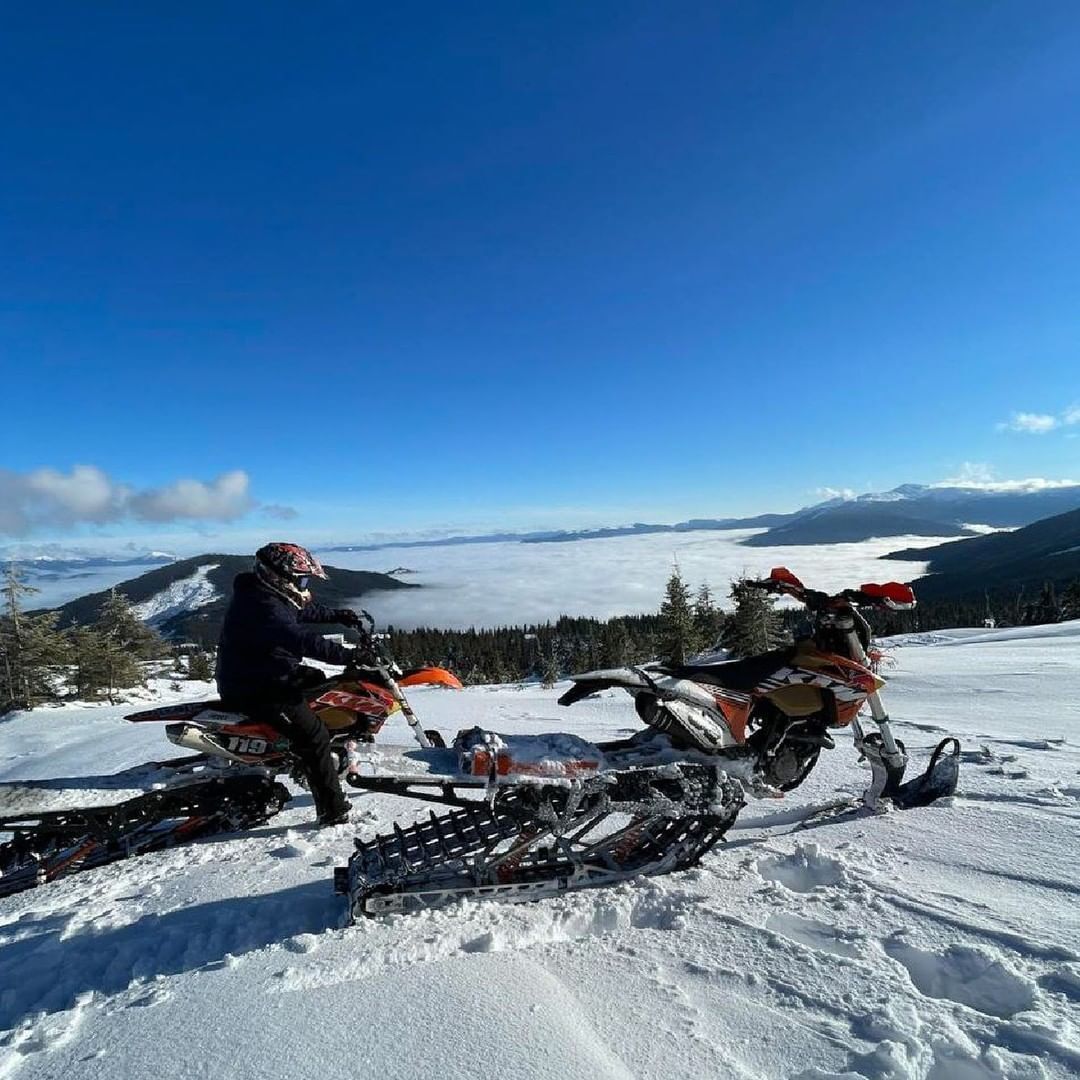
(170, 714)
(592, 682)
(635, 680)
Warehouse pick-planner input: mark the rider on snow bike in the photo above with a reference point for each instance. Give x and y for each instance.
(259, 665)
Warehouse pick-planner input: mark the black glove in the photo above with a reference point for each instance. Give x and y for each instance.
(347, 617)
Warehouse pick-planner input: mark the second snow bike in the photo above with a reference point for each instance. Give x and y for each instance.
(562, 813)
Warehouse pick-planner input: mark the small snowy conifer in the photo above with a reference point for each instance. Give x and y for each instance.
(756, 626)
(678, 634)
(708, 618)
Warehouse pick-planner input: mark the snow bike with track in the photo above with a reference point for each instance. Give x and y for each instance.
(229, 784)
(533, 815)
(561, 813)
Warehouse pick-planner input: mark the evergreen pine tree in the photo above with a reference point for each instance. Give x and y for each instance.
(32, 651)
(678, 634)
(199, 666)
(1047, 609)
(90, 673)
(615, 645)
(123, 639)
(552, 665)
(119, 621)
(756, 626)
(708, 618)
(1070, 601)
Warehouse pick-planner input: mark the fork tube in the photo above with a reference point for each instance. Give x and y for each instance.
(877, 707)
(406, 709)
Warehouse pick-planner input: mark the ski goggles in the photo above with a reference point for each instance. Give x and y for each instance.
(302, 581)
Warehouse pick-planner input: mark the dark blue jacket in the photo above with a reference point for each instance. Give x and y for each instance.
(264, 640)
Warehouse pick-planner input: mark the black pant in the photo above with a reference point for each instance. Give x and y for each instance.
(286, 710)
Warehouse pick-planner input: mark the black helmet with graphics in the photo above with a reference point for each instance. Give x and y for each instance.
(288, 569)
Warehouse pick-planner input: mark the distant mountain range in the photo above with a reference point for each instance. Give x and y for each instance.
(50, 567)
(908, 510)
(918, 510)
(186, 599)
(1048, 550)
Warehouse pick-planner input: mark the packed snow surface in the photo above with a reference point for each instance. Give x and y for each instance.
(933, 944)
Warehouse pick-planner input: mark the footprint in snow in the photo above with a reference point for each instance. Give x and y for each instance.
(152, 997)
(1065, 981)
(804, 870)
(815, 935)
(966, 974)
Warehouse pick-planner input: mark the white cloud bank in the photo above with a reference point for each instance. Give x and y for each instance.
(979, 476)
(47, 498)
(505, 584)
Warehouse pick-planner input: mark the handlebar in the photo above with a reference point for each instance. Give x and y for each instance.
(892, 594)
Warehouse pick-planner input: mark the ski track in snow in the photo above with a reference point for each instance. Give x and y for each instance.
(934, 944)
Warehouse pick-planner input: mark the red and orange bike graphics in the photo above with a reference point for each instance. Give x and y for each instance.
(773, 711)
(354, 709)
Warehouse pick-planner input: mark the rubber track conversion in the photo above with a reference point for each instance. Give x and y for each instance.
(58, 843)
(537, 841)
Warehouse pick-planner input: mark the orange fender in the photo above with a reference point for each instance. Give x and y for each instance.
(430, 676)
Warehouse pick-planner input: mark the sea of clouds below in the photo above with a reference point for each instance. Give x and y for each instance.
(513, 583)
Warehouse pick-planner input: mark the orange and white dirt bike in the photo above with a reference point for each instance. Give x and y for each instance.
(229, 784)
(354, 706)
(771, 713)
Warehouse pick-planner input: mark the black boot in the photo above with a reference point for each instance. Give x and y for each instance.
(333, 812)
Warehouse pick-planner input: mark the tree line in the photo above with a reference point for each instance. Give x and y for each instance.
(39, 662)
(688, 623)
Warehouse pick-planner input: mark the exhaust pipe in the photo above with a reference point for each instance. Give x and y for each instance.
(193, 737)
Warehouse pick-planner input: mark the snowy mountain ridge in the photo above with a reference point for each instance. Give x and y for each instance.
(947, 509)
(180, 597)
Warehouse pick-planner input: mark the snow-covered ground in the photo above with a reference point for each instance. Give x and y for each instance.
(938, 944)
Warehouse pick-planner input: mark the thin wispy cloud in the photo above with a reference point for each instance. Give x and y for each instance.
(1032, 423)
(47, 498)
(277, 512)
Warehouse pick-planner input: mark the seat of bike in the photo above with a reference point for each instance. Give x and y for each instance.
(742, 675)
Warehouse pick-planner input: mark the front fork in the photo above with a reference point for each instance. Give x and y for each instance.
(886, 756)
(407, 710)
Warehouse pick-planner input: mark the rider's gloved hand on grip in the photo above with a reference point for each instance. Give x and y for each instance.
(348, 617)
(359, 660)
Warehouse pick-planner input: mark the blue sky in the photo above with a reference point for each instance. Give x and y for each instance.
(466, 265)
